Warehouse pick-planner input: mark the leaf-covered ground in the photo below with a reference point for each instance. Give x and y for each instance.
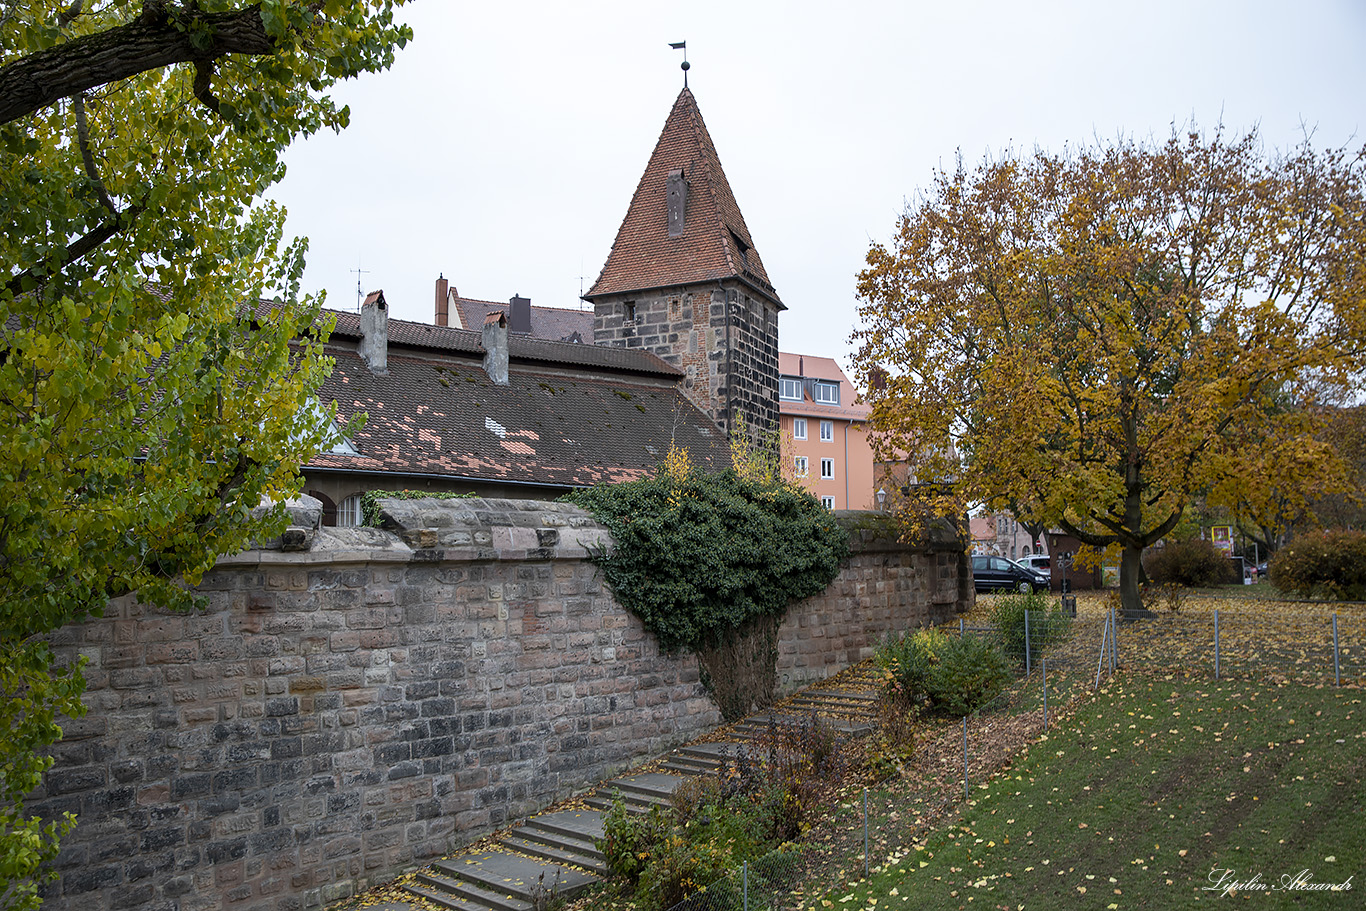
(1144, 798)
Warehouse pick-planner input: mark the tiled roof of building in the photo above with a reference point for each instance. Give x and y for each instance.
(715, 242)
(439, 414)
(555, 323)
(526, 348)
(822, 368)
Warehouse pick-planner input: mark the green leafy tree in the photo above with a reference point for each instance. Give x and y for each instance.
(147, 403)
(1106, 334)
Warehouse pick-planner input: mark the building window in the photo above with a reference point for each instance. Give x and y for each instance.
(630, 311)
(348, 512)
(828, 502)
(826, 393)
(827, 431)
(675, 307)
(790, 389)
(801, 466)
(827, 468)
(799, 428)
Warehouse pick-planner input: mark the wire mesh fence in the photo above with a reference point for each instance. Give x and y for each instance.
(1062, 655)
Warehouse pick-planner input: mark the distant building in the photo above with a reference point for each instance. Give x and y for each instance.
(1000, 535)
(827, 427)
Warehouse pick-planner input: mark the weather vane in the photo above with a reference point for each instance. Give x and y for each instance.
(683, 46)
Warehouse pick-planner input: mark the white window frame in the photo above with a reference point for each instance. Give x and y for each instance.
(827, 431)
(799, 428)
(827, 469)
(801, 466)
(828, 502)
(792, 383)
(348, 512)
(825, 392)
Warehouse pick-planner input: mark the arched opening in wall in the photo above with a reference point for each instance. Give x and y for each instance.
(329, 507)
(348, 513)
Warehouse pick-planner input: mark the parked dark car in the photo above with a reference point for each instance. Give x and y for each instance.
(994, 574)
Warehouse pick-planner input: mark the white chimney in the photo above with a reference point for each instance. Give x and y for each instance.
(374, 333)
(496, 348)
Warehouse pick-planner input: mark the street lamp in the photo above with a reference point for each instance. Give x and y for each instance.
(881, 497)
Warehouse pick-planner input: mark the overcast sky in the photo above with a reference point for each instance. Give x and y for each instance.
(504, 145)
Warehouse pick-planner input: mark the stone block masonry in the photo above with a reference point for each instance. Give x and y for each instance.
(337, 716)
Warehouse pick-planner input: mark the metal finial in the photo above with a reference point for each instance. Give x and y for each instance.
(685, 66)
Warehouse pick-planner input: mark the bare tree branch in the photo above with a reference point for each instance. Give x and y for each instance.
(76, 249)
(87, 158)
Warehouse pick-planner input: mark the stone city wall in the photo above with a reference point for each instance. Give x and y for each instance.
(342, 712)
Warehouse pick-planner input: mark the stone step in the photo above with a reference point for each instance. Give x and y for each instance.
(462, 895)
(514, 877)
(756, 726)
(649, 784)
(861, 704)
(686, 765)
(635, 804)
(584, 825)
(579, 855)
(569, 844)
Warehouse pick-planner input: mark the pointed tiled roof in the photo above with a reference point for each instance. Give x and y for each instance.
(715, 242)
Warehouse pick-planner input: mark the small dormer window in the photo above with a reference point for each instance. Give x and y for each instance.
(790, 389)
(825, 392)
(741, 248)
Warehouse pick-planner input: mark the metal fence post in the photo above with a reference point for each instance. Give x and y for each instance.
(1114, 641)
(1337, 679)
(1043, 672)
(1028, 651)
(745, 887)
(960, 627)
(865, 833)
(965, 757)
(1216, 643)
(1104, 642)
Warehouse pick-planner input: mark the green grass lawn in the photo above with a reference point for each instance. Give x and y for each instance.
(1143, 798)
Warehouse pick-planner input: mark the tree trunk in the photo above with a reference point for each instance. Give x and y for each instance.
(1130, 596)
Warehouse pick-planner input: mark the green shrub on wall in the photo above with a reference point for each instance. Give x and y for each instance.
(698, 556)
(710, 562)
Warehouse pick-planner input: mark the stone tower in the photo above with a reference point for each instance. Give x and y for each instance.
(685, 281)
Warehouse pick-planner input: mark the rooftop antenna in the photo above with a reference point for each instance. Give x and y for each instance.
(685, 66)
(360, 295)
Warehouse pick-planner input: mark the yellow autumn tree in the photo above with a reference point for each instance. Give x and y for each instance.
(1107, 333)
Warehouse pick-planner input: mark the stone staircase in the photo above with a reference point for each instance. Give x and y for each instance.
(555, 856)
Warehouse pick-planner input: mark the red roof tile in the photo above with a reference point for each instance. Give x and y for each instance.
(645, 256)
(436, 413)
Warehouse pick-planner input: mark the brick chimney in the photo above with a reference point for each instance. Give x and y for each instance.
(519, 315)
(374, 333)
(496, 348)
(443, 301)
